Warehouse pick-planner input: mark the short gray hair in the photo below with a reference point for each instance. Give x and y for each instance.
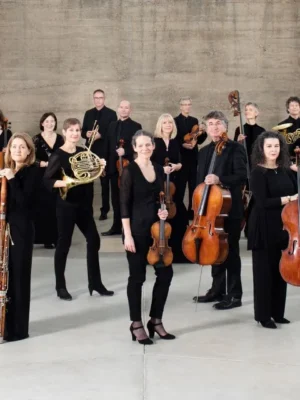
(184, 99)
(250, 103)
(216, 115)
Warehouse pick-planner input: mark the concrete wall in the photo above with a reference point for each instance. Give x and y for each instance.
(55, 53)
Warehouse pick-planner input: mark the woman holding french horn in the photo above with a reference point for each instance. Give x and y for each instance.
(74, 207)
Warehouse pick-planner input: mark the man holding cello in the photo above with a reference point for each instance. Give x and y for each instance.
(230, 172)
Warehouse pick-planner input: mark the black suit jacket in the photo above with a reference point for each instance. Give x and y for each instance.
(231, 168)
(119, 130)
(103, 117)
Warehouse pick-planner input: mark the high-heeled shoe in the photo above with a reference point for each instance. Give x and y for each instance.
(134, 338)
(270, 324)
(63, 294)
(101, 290)
(282, 320)
(151, 329)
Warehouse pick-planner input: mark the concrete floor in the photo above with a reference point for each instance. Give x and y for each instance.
(83, 350)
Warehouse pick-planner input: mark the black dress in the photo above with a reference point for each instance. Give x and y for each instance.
(76, 209)
(266, 238)
(22, 194)
(45, 216)
(138, 201)
(180, 222)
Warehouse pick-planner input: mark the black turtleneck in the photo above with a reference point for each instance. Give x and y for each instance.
(252, 132)
(119, 130)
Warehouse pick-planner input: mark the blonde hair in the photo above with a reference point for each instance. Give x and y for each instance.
(158, 129)
(71, 122)
(30, 159)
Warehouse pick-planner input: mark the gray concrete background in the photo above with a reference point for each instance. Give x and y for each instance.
(55, 53)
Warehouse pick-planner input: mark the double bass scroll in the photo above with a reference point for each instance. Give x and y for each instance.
(205, 241)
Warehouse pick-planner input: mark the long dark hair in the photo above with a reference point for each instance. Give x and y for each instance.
(45, 116)
(258, 154)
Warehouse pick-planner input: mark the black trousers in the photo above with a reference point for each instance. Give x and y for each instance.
(269, 287)
(104, 194)
(65, 224)
(137, 276)
(187, 175)
(232, 264)
(115, 200)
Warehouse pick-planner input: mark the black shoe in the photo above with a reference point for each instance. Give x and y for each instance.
(270, 324)
(228, 303)
(112, 231)
(152, 330)
(102, 291)
(103, 217)
(143, 341)
(49, 246)
(282, 320)
(209, 297)
(64, 294)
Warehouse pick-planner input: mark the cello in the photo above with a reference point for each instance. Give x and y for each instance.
(169, 191)
(160, 254)
(205, 241)
(289, 265)
(122, 162)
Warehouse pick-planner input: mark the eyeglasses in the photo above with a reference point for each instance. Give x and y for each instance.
(98, 98)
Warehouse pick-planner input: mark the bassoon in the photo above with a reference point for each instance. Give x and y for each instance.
(4, 249)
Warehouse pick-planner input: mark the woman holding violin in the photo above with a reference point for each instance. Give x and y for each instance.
(167, 154)
(141, 184)
(273, 185)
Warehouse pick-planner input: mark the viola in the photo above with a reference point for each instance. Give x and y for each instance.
(170, 190)
(205, 241)
(290, 259)
(193, 135)
(160, 254)
(122, 162)
(234, 100)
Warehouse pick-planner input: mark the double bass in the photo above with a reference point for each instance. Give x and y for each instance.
(160, 254)
(290, 259)
(234, 100)
(122, 162)
(169, 191)
(205, 241)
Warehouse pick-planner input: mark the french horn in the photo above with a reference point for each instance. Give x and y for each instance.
(290, 137)
(86, 167)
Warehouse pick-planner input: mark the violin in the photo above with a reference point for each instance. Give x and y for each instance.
(170, 190)
(122, 162)
(205, 241)
(193, 135)
(160, 254)
(289, 265)
(234, 100)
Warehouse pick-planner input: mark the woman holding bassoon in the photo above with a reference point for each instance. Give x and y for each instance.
(22, 180)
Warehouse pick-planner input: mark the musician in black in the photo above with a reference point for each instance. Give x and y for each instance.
(5, 133)
(121, 130)
(24, 181)
(141, 183)
(75, 209)
(189, 151)
(273, 185)
(231, 172)
(166, 146)
(251, 129)
(46, 143)
(104, 116)
(293, 109)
